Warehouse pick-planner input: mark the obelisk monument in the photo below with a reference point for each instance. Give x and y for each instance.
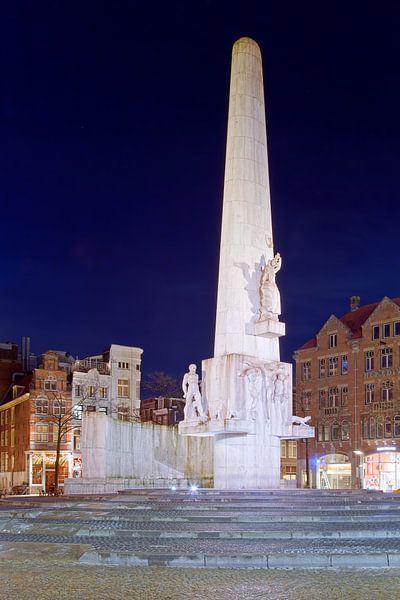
(246, 391)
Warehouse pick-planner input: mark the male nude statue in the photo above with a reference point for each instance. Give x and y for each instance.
(191, 392)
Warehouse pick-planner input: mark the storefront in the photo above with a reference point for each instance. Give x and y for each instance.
(382, 471)
(333, 472)
(41, 470)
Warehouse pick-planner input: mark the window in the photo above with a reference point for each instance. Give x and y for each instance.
(335, 431)
(369, 393)
(2, 438)
(386, 358)
(103, 393)
(292, 449)
(372, 428)
(123, 388)
(42, 406)
(91, 391)
(123, 413)
(369, 360)
(388, 427)
(332, 340)
(50, 384)
(379, 428)
(56, 431)
(386, 330)
(12, 437)
(137, 367)
(123, 365)
(42, 433)
(375, 332)
(396, 427)
(2, 418)
(78, 391)
(344, 395)
(102, 409)
(333, 397)
(77, 412)
(327, 433)
(365, 428)
(396, 328)
(6, 417)
(333, 364)
(59, 407)
(322, 367)
(320, 433)
(283, 448)
(322, 398)
(387, 391)
(306, 400)
(345, 430)
(77, 439)
(345, 364)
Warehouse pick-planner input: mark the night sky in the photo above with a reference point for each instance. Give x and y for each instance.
(112, 140)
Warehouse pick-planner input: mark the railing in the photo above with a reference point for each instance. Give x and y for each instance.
(384, 405)
(333, 410)
(83, 366)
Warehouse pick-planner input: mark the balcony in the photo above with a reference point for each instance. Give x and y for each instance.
(83, 366)
(333, 410)
(382, 406)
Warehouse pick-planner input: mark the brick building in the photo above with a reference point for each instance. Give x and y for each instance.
(348, 380)
(28, 430)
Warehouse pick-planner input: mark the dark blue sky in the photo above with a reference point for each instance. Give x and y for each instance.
(112, 139)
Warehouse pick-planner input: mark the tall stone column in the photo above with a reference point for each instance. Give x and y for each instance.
(246, 234)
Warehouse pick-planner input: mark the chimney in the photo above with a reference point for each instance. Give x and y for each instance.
(354, 303)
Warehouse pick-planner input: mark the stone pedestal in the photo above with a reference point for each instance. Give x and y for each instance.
(270, 328)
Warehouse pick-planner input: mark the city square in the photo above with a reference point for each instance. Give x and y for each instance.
(247, 444)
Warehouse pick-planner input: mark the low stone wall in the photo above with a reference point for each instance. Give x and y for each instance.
(117, 455)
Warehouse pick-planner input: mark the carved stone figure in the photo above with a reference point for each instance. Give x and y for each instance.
(270, 298)
(191, 392)
(301, 420)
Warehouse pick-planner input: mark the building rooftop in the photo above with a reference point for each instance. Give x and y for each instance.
(354, 320)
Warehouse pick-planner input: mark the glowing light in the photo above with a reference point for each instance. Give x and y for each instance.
(359, 452)
(193, 488)
(173, 488)
(386, 449)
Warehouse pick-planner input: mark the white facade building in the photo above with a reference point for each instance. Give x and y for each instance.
(109, 382)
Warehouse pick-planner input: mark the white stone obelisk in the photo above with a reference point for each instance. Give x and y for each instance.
(246, 390)
(246, 235)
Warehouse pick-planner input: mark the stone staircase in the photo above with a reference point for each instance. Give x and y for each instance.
(211, 528)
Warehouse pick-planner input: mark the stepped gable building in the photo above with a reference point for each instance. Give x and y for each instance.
(348, 380)
(28, 432)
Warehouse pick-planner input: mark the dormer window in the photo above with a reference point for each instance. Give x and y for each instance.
(332, 340)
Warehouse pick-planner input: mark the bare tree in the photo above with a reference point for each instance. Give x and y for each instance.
(162, 384)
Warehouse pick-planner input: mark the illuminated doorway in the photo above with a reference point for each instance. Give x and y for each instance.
(334, 472)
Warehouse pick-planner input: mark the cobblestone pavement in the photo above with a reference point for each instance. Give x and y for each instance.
(42, 580)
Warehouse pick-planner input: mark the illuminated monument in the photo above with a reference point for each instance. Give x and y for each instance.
(246, 390)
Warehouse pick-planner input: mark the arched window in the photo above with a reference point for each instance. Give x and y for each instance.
(372, 428)
(396, 428)
(42, 406)
(59, 407)
(387, 391)
(335, 431)
(379, 428)
(345, 430)
(388, 427)
(365, 428)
